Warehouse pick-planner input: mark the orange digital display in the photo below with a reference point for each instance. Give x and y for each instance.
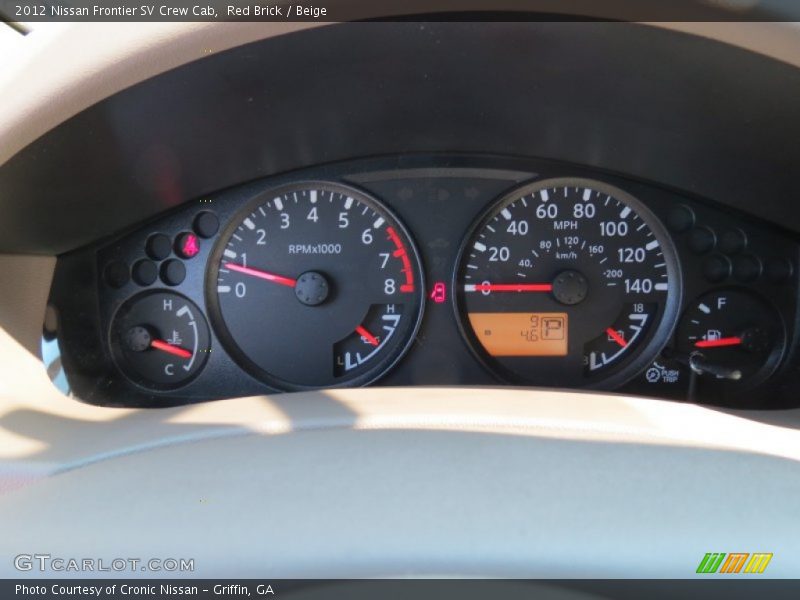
(521, 334)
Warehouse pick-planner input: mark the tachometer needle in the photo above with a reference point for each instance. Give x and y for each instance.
(170, 349)
(616, 337)
(719, 342)
(508, 287)
(371, 339)
(287, 281)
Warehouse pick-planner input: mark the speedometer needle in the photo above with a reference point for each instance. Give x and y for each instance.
(287, 281)
(508, 287)
(170, 349)
(719, 342)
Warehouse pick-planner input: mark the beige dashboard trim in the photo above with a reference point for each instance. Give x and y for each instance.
(60, 70)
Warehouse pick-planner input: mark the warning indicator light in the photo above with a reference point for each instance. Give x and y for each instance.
(439, 292)
(188, 245)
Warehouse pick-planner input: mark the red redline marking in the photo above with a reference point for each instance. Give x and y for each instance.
(170, 349)
(616, 337)
(371, 339)
(401, 253)
(514, 287)
(287, 281)
(721, 342)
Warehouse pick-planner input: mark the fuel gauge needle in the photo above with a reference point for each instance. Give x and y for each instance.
(616, 337)
(170, 349)
(371, 339)
(719, 342)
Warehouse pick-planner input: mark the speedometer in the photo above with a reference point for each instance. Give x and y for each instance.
(567, 282)
(315, 285)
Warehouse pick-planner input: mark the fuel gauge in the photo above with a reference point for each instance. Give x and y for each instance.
(739, 336)
(159, 340)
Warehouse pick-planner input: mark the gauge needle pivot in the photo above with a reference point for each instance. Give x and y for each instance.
(170, 349)
(279, 279)
(371, 339)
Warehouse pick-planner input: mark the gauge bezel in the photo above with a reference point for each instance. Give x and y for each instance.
(655, 338)
(117, 353)
(220, 329)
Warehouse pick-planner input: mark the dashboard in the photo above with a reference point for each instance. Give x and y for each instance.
(529, 283)
(434, 270)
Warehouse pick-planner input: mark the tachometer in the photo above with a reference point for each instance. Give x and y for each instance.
(315, 285)
(567, 282)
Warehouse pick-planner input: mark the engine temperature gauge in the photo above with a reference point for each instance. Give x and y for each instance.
(159, 340)
(733, 330)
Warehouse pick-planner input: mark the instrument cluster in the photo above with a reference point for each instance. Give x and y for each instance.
(423, 270)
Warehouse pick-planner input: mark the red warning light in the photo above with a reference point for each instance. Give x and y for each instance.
(439, 292)
(188, 245)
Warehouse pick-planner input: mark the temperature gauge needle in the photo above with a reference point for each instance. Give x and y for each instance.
(170, 349)
(508, 287)
(616, 337)
(287, 281)
(718, 343)
(371, 339)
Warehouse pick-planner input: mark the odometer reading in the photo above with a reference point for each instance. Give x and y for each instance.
(315, 285)
(521, 334)
(567, 282)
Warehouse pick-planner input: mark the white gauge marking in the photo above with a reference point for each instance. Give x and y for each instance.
(506, 214)
(313, 196)
(250, 224)
(193, 325)
(587, 193)
(625, 212)
(278, 203)
(661, 287)
(378, 222)
(545, 196)
(704, 308)
(652, 245)
(223, 289)
(479, 247)
(229, 253)
(348, 203)
(469, 287)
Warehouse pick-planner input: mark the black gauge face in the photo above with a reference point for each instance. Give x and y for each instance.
(735, 330)
(315, 285)
(567, 282)
(159, 340)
